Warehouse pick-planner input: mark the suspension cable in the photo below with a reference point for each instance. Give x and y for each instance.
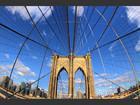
(91, 28)
(86, 25)
(97, 21)
(75, 27)
(34, 24)
(51, 27)
(42, 66)
(110, 81)
(56, 23)
(102, 34)
(68, 33)
(121, 37)
(24, 36)
(124, 47)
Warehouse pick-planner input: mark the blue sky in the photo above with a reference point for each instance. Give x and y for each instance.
(110, 61)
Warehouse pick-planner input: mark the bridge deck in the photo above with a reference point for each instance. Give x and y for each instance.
(4, 92)
(133, 95)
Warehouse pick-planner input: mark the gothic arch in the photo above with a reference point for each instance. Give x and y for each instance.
(71, 64)
(81, 65)
(58, 79)
(60, 70)
(75, 84)
(81, 69)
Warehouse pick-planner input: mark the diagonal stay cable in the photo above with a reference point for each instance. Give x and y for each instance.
(40, 20)
(92, 28)
(86, 41)
(82, 42)
(121, 37)
(92, 34)
(35, 25)
(42, 64)
(37, 22)
(51, 27)
(82, 19)
(24, 36)
(124, 47)
(26, 39)
(33, 29)
(20, 50)
(80, 31)
(85, 28)
(97, 21)
(102, 34)
(130, 33)
(110, 81)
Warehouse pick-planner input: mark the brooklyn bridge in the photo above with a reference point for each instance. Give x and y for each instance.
(69, 52)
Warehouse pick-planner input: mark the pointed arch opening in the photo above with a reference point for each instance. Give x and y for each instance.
(62, 84)
(79, 84)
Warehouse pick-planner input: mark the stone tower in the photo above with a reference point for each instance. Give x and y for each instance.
(72, 63)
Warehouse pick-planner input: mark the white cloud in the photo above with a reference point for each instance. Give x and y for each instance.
(28, 48)
(4, 71)
(34, 57)
(80, 10)
(49, 64)
(137, 47)
(102, 74)
(133, 14)
(25, 70)
(20, 73)
(20, 69)
(102, 83)
(33, 10)
(124, 78)
(7, 55)
(18, 10)
(31, 81)
(49, 10)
